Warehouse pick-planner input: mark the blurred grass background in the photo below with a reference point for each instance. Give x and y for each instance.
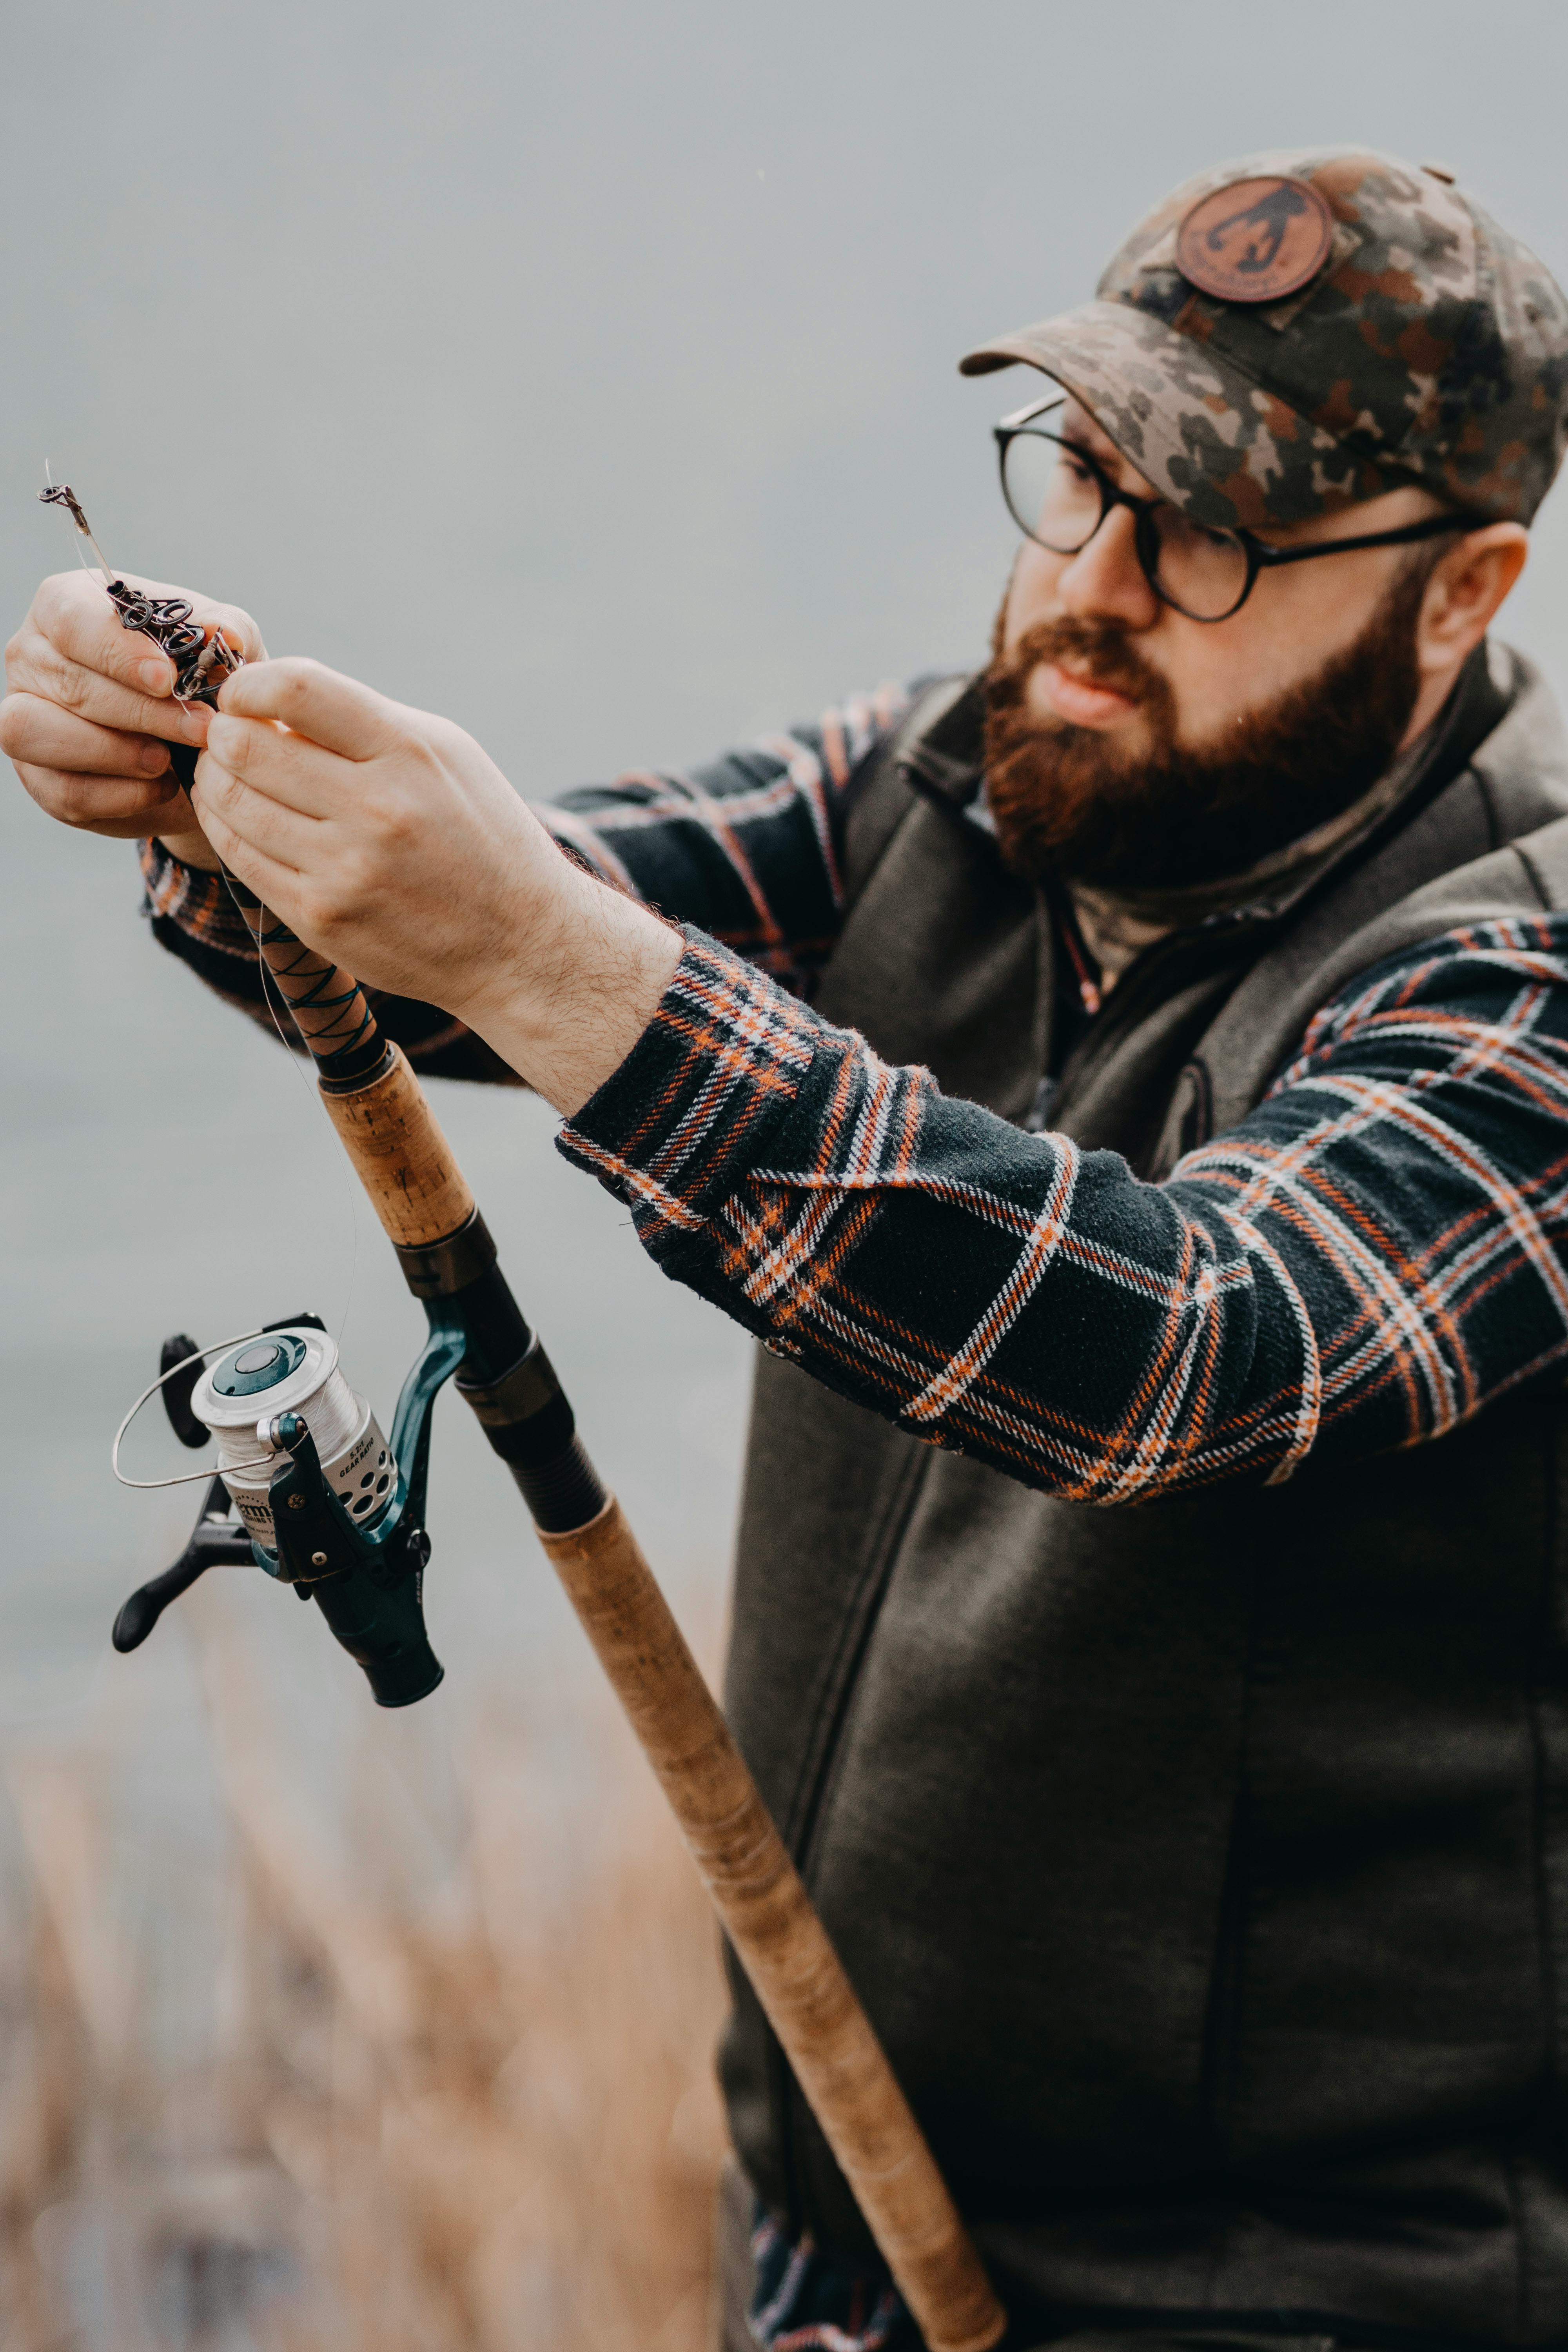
(451, 2088)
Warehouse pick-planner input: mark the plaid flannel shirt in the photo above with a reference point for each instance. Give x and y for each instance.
(1376, 1252)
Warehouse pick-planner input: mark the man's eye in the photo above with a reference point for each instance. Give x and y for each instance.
(1198, 534)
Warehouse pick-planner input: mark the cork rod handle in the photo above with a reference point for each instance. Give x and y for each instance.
(404, 1162)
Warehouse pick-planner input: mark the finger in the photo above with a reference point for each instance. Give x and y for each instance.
(73, 616)
(34, 664)
(74, 613)
(287, 833)
(286, 767)
(40, 731)
(275, 883)
(335, 711)
(122, 807)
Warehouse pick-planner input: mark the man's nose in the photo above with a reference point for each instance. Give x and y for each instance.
(1105, 579)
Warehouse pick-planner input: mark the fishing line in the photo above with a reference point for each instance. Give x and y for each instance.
(59, 494)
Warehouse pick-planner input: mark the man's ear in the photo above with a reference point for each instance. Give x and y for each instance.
(1465, 588)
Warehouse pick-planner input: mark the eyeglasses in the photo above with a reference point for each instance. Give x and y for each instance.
(1058, 494)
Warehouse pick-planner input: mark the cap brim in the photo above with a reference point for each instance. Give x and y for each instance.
(1202, 433)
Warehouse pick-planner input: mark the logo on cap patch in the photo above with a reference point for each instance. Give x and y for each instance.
(1256, 240)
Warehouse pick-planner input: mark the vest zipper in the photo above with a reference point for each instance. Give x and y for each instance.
(1134, 995)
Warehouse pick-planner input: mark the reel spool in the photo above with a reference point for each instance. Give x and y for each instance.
(293, 1370)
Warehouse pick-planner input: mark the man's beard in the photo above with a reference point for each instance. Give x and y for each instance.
(1068, 801)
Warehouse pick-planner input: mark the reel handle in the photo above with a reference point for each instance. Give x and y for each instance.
(216, 1541)
(177, 1392)
(403, 1160)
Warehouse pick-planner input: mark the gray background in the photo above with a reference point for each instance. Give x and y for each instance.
(585, 374)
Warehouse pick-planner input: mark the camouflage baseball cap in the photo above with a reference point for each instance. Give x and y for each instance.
(1299, 329)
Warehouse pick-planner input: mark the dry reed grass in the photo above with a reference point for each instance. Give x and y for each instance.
(448, 2130)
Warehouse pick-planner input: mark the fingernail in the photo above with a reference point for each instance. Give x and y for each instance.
(198, 722)
(154, 757)
(154, 676)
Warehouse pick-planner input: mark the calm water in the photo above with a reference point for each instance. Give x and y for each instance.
(586, 374)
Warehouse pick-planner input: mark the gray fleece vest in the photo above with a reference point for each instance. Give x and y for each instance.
(1202, 1864)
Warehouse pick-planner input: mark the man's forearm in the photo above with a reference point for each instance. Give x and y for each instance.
(590, 991)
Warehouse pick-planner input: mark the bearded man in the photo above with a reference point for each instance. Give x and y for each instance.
(1124, 1092)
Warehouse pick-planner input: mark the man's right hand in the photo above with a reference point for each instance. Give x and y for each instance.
(90, 712)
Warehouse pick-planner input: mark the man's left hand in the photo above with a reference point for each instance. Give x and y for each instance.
(388, 840)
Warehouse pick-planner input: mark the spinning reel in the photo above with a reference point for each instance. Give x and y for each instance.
(308, 1488)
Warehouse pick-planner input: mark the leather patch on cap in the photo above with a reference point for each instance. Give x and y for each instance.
(1256, 240)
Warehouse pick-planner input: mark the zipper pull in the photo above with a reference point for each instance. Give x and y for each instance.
(1037, 1118)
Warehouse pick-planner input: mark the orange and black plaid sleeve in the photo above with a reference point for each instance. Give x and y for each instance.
(1377, 1252)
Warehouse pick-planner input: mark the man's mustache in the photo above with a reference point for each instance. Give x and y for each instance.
(1098, 651)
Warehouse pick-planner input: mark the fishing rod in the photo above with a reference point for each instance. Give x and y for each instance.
(326, 1504)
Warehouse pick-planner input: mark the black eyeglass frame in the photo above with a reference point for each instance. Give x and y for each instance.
(1260, 556)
